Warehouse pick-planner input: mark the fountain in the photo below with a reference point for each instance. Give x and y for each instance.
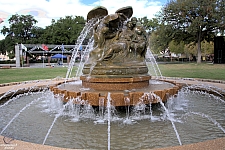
(116, 63)
(115, 103)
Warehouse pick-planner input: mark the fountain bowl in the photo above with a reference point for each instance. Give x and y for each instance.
(208, 144)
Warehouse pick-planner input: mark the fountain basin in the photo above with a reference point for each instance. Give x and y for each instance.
(135, 89)
(213, 144)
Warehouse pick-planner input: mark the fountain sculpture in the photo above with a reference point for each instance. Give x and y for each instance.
(116, 74)
(116, 62)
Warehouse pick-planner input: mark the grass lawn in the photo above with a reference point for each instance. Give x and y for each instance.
(194, 70)
(26, 74)
(184, 70)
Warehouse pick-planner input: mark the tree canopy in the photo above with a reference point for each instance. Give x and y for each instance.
(194, 20)
(180, 23)
(22, 29)
(64, 31)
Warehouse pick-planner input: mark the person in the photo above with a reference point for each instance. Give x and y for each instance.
(140, 41)
(121, 43)
(127, 33)
(105, 33)
(134, 22)
(100, 31)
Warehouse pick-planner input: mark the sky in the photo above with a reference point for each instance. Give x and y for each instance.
(46, 10)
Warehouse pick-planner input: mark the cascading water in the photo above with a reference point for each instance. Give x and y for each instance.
(84, 57)
(77, 122)
(152, 64)
(28, 105)
(80, 40)
(109, 116)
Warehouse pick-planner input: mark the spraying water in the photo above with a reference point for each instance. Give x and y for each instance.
(84, 56)
(49, 130)
(19, 114)
(168, 115)
(209, 118)
(80, 40)
(151, 62)
(174, 127)
(109, 114)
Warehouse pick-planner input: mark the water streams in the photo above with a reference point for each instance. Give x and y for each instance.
(109, 114)
(80, 40)
(169, 117)
(84, 56)
(152, 64)
(28, 105)
(49, 130)
(186, 118)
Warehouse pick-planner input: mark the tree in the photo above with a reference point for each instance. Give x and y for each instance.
(36, 37)
(65, 30)
(194, 20)
(21, 30)
(7, 45)
(160, 39)
(150, 25)
(176, 47)
(20, 27)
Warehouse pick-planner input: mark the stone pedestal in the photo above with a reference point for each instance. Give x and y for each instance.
(115, 77)
(115, 83)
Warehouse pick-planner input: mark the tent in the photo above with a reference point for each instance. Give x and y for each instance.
(58, 56)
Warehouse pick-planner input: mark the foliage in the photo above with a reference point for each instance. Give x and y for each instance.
(20, 28)
(207, 48)
(150, 25)
(8, 45)
(65, 30)
(194, 20)
(180, 25)
(176, 47)
(37, 35)
(159, 41)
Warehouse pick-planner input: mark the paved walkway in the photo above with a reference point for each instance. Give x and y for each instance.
(7, 143)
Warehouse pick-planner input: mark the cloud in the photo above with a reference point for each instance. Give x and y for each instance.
(46, 10)
(36, 12)
(141, 8)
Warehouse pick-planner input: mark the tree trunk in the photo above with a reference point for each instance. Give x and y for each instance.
(199, 60)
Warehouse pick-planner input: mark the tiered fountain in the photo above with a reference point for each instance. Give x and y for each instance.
(117, 63)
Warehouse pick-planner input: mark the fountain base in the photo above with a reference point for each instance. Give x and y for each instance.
(113, 84)
(93, 90)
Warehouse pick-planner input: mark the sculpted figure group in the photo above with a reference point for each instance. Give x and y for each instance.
(118, 39)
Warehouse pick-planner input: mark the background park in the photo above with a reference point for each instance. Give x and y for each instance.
(181, 36)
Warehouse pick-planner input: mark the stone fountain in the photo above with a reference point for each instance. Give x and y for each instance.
(116, 62)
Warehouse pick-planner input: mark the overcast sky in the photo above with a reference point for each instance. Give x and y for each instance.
(46, 10)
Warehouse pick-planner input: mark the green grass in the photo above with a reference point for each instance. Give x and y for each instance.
(27, 74)
(193, 70)
(184, 70)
